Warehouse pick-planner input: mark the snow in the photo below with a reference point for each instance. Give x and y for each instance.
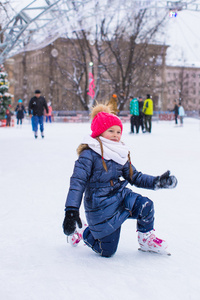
(36, 261)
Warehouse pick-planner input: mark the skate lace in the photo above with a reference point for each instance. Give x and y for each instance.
(158, 241)
(154, 241)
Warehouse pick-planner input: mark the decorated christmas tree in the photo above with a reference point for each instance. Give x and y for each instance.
(5, 97)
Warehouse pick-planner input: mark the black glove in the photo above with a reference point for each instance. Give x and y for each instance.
(165, 181)
(70, 220)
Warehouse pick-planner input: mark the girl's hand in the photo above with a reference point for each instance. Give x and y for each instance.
(165, 181)
(70, 220)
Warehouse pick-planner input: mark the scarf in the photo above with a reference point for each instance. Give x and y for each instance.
(117, 151)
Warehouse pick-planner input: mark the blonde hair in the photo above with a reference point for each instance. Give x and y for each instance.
(100, 107)
(95, 110)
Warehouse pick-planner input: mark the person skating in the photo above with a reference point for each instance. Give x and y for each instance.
(36, 108)
(181, 113)
(103, 160)
(8, 117)
(113, 102)
(49, 114)
(148, 112)
(175, 110)
(20, 110)
(134, 111)
(141, 114)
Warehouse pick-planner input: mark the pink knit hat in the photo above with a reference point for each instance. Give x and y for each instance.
(102, 121)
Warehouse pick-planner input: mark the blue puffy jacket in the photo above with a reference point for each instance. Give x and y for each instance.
(107, 202)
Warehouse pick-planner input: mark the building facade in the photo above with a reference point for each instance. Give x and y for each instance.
(183, 85)
(51, 70)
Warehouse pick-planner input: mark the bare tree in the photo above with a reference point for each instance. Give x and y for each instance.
(3, 7)
(117, 41)
(127, 57)
(120, 49)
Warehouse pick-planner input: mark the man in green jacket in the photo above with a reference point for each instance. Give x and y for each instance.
(134, 111)
(148, 112)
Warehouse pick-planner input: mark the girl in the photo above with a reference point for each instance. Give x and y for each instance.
(8, 117)
(48, 115)
(20, 110)
(103, 161)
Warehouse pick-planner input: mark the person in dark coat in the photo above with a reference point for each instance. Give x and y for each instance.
(103, 161)
(36, 108)
(134, 111)
(20, 110)
(141, 114)
(175, 110)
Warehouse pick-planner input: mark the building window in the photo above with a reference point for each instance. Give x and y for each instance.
(159, 60)
(194, 75)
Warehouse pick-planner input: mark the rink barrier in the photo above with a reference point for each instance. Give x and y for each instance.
(166, 116)
(84, 117)
(3, 123)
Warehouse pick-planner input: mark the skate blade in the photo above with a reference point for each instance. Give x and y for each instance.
(155, 252)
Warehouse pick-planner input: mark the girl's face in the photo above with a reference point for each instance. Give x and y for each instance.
(113, 133)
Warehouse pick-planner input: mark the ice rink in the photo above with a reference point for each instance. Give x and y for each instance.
(36, 261)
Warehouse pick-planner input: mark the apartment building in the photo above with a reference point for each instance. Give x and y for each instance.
(183, 84)
(39, 69)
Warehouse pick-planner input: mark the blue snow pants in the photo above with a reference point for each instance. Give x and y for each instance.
(37, 120)
(143, 211)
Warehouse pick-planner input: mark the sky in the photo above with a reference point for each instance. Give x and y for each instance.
(183, 37)
(181, 34)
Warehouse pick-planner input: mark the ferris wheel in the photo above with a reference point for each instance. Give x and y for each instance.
(37, 24)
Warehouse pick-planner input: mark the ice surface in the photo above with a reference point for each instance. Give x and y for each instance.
(38, 264)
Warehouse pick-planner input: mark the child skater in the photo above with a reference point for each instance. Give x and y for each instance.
(103, 161)
(48, 115)
(20, 110)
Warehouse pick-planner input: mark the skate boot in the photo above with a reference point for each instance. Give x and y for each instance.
(75, 238)
(150, 243)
